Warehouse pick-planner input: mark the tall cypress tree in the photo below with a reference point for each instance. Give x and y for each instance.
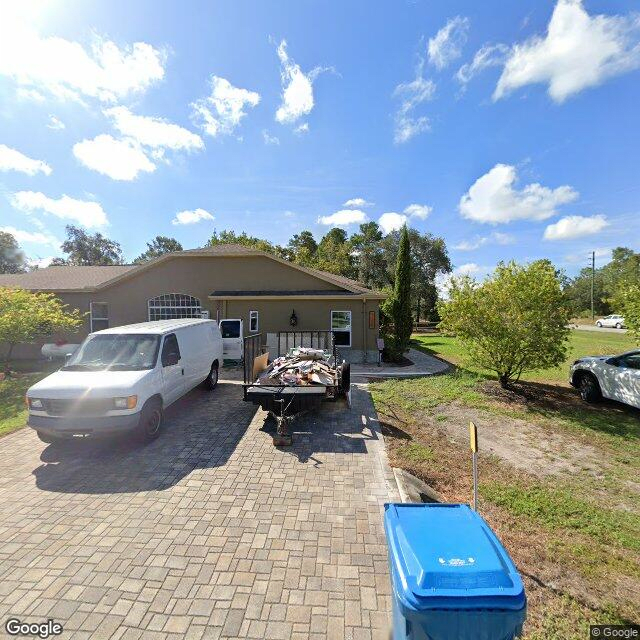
(402, 320)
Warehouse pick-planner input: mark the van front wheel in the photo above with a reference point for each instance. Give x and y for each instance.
(211, 381)
(150, 421)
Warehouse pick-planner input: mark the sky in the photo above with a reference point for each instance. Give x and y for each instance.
(510, 129)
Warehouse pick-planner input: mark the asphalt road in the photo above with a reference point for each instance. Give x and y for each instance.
(592, 327)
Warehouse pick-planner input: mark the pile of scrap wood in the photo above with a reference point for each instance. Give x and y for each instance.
(301, 366)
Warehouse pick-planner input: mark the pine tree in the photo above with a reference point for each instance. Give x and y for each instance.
(402, 320)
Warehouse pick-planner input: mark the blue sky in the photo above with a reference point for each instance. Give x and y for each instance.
(511, 129)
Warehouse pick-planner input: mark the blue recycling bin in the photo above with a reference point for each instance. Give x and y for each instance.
(451, 578)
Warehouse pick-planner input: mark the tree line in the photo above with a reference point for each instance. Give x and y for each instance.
(368, 256)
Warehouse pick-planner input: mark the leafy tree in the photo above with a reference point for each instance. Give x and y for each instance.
(231, 237)
(158, 247)
(12, 259)
(429, 259)
(370, 259)
(303, 249)
(26, 316)
(85, 249)
(335, 254)
(513, 322)
(399, 305)
(627, 300)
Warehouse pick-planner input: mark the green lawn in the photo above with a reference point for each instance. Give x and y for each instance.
(581, 343)
(576, 529)
(13, 412)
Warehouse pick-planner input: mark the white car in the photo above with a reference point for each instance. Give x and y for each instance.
(615, 320)
(613, 377)
(122, 379)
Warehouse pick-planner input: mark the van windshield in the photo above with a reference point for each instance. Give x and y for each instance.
(118, 352)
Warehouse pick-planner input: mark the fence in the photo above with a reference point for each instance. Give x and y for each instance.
(314, 339)
(252, 349)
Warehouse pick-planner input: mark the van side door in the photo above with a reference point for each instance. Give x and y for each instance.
(173, 381)
(232, 332)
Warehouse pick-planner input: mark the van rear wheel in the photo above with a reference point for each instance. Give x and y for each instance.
(211, 382)
(150, 421)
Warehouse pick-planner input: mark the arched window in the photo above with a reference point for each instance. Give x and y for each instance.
(174, 305)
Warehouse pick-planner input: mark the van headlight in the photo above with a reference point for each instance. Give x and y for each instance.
(35, 403)
(126, 402)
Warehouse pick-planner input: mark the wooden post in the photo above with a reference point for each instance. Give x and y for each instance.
(473, 440)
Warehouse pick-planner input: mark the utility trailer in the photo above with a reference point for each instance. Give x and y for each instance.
(295, 382)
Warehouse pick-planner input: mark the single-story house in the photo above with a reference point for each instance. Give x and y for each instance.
(225, 281)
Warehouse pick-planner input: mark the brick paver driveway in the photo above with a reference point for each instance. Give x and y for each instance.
(208, 532)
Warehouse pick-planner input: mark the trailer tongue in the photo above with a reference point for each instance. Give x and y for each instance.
(297, 381)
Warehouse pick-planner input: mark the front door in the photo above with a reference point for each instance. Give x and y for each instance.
(232, 332)
(173, 381)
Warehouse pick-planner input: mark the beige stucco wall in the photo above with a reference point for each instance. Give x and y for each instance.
(200, 276)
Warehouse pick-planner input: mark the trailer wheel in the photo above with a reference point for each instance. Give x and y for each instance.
(345, 378)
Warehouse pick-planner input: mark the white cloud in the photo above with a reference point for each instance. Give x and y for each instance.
(88, 214)
(357, 203)
(392, 221)
(40, 263)
(489, 55)
(55, 123)
(33, 237)
(577, 52)
(302, 128)
(268, 138)
(468, 269)
(584, 257)
(411, 95)
(446, 45)
(297, 89)
(221, 111)
(572, 227)
(418, 211)
(118, 159)
(191, 217)
(493, 199)
(153, 132)
(13, 160)
(481, 241)
(344, 217)
(67, 69)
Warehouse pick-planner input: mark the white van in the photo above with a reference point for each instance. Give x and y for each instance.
(122, 379)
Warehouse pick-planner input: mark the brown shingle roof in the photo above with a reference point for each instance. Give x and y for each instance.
(61, 278)
(79, 278)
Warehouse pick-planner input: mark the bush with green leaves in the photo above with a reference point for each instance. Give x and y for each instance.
(25, 317)
(514, 321)
(627, 300)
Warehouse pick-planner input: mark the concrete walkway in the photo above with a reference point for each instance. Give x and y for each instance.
(208, 532)
(423, 365)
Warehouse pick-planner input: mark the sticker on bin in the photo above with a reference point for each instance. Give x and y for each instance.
(452, 579)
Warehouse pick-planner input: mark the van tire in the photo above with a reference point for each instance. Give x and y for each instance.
(211, 381)
(150, 422)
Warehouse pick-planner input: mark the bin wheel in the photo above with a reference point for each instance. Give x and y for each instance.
(345, 378)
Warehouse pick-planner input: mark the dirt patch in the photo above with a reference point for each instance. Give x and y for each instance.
(528, 447)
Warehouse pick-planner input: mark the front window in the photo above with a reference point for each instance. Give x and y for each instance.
(341, 327)
(118, 352)
(99, 315)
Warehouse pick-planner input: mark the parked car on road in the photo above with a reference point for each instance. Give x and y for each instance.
(122, 379)
(615, 320)
(613, 377)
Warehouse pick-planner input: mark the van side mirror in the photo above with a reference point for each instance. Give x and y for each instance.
(170, 359)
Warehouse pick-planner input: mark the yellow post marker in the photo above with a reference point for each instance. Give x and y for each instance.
(473, 441)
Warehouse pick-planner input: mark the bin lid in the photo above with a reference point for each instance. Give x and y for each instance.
(445, 556)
